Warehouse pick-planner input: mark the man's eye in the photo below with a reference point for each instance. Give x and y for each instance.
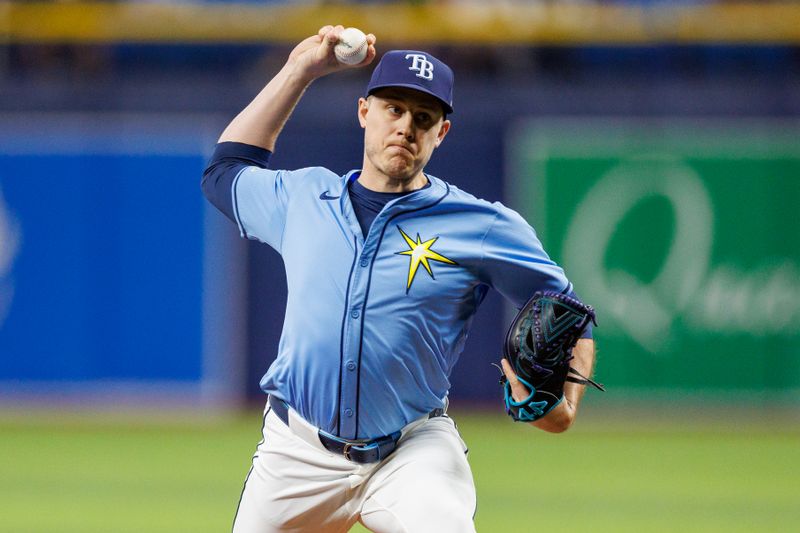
(394, 109)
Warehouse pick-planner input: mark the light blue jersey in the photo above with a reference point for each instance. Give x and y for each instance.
(374, 324)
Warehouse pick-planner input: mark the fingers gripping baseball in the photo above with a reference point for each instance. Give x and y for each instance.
(344, 36)
(315, 55)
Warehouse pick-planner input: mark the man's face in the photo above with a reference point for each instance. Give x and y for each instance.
(402, 127)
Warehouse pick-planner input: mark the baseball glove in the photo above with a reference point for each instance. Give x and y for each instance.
(539, 347)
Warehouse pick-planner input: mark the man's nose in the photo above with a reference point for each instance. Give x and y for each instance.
(406, 126)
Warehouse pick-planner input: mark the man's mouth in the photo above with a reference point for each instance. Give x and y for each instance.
(402, 147)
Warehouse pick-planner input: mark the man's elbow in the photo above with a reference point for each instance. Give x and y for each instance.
(560, 426)
(558, 420)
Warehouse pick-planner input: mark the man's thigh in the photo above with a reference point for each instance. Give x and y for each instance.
(293, 486)
(426, 485)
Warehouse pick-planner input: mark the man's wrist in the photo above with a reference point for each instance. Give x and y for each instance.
(298, 75)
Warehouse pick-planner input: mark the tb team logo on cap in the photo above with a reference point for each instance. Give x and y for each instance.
(421, 65)
(414, 69)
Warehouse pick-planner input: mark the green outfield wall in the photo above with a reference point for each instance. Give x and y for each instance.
(684, 235)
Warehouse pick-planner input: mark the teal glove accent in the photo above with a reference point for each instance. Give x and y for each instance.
(532, 408)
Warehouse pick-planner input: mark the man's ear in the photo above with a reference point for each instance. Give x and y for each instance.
(445, 127)
(363, 107)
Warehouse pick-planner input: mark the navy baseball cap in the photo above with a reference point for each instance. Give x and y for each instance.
(414, 70)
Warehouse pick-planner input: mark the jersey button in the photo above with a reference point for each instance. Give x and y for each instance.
(364, 262)
(348, 412)
(351, 365)
(354, 313)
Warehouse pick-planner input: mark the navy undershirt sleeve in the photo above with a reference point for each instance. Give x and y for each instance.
(228, 160)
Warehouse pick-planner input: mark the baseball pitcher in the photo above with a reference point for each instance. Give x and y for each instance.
(386, 267)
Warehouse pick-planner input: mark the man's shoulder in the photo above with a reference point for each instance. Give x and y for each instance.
(315, 173)
(494, 214)
(307, 176)
(460, 196)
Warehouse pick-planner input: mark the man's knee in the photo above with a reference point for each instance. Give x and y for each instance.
(421, 513)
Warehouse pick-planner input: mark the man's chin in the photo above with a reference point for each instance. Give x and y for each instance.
(400, 172)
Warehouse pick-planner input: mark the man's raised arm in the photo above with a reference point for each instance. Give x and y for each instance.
(250, 138)
(260, 123)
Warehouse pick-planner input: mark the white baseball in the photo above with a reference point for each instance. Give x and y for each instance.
(352, 47)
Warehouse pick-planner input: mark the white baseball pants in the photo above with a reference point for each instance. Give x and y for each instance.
(296, 485)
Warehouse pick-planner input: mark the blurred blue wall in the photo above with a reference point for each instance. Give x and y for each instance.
(107, 278)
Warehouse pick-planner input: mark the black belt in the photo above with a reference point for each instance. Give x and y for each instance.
(362, 452)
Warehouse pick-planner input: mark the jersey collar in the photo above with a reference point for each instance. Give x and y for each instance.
(435, 191)
(414, 201)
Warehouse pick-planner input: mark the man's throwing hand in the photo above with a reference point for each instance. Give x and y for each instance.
(315, 55)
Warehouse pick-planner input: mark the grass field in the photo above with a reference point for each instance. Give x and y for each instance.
(79, 474)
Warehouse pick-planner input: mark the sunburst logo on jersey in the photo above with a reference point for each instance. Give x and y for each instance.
(420, 253)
